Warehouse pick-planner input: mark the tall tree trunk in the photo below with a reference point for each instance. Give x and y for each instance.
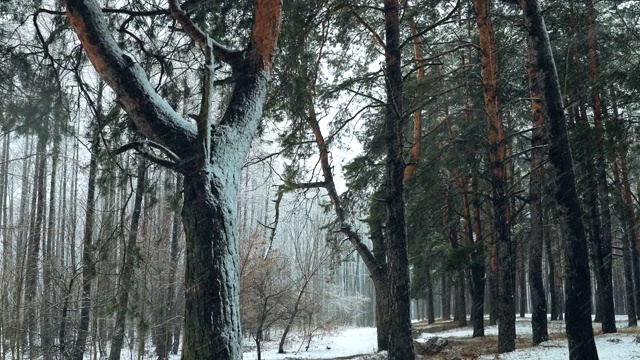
(621, 206)
(551, 279)
(88, 264)
(522, 282)
(49, 291)
(400, 338)
(431, 318)
(538, 298)
(445, 297)
(477, 266)
(173, 338)
(578, 292)
(7, 265)
(212, 326)
(498, 175)
(126, 275)
(34, 246)
(451, 234)
(632, 223)
(605, 268)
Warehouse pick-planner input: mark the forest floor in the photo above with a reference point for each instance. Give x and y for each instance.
(360, 343)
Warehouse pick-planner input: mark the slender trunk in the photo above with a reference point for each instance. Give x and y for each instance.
(632, 223)
(383, 314)
(173, 338)
(126, 275)
(632, 317)
(538, 299)
(431, 318)
(292, 317)
(522, 283)
(461, 300)
(88, 264)
(628, 261)
(49, 291)
(578, 292)
(477, 266)
(451, 234)
(590, 184)
(34, 246)
(605, 269)
(494, 276)
(6, 253)
(445, 297)
(498, 175)
(551, 279)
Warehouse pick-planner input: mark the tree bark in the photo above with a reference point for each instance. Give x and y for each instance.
(498, 175)
(431, 318)
(538, 298)
(400, 338)
(578, 292)
(445, 297)
(477, 266)
(551, 279)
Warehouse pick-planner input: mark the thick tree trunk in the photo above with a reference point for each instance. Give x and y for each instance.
(578, 292)
(212, 322)
(126, 275)
(498, 175)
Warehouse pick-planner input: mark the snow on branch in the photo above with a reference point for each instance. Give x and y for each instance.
(152, 115)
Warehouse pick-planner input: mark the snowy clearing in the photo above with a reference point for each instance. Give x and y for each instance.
(360, 343)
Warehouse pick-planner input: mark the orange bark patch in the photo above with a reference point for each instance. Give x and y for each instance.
(266, 28)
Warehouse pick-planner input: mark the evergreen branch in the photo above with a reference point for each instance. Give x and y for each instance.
(433, 26)
(376, 36)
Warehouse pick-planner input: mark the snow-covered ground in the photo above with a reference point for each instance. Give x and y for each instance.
(351, 342)
(344, 342)
(610, 347)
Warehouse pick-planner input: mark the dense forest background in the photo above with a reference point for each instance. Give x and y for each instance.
(446, 126)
